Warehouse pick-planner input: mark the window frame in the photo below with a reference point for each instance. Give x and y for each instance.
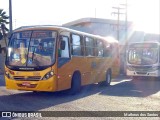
(81, 44)
(92, 47)
(97, 47)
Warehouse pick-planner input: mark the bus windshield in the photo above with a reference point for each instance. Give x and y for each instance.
(32, 48)
(143, 54)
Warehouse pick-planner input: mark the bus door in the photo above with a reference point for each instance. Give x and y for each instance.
(64, 72)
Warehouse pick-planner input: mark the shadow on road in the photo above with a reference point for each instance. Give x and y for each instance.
(2, 81)
(134, 88)
(29, 101)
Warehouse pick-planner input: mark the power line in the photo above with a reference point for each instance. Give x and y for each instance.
(118, 13)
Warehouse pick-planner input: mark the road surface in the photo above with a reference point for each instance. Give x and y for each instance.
(123, 95)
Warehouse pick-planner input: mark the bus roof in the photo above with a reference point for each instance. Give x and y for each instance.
(55, 27)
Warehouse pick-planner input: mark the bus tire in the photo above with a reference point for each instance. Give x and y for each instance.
(107, 79)
(75, 83)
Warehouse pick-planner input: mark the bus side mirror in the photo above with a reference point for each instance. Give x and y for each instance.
(62, 45)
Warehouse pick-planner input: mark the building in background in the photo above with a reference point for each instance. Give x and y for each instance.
(102, 27)
(108, 28)
(105, 28)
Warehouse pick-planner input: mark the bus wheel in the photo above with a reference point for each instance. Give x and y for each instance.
(75, 83)
(108, 78)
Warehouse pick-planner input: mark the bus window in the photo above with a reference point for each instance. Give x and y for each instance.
(64, 53)
(17, 55)
(89, 46)
(100, 48)
(107, 50)
(76, 45)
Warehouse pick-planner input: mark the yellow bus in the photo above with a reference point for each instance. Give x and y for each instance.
(53, 58)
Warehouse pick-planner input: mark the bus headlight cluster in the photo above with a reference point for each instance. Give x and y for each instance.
(7, 74)
(155, 68)
(48, 75)
(130, 68)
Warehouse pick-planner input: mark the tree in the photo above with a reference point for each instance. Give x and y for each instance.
(3, 21)
(3, 18)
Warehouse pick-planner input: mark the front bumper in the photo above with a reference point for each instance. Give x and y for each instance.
(42, 85)
(155, 73)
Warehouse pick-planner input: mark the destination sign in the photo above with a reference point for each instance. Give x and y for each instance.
(41, 34)
(144, 45)
(34, 34)
(18, 35)
(26, 34)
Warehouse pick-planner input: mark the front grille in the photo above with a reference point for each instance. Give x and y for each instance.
(142, 68)
(31, 78)
(29, 86)
(143, 73)
(34, 78)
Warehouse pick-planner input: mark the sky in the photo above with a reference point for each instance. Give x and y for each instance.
(144, 13)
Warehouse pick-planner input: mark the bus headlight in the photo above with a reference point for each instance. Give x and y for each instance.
(7, 74)
(51, 73)
(130, 68)
(48, 75)
(155, 68)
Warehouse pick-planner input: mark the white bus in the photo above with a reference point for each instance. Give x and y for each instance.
(143, 59)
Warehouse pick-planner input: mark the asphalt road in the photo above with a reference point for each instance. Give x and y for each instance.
(123, 95)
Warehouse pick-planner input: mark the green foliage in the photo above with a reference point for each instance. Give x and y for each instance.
(3, 18)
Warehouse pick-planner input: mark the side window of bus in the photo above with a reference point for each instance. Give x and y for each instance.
(100, 48)
(107, 50)
(89, 42)
(65, 52)
(76, 45)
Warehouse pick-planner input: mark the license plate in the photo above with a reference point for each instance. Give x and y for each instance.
(26, 84)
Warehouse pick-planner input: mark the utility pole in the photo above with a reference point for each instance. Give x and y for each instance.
(95, 11)
(126, 20)
(10, 16)
(123, 49)
(118, 17)
(126, 35)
